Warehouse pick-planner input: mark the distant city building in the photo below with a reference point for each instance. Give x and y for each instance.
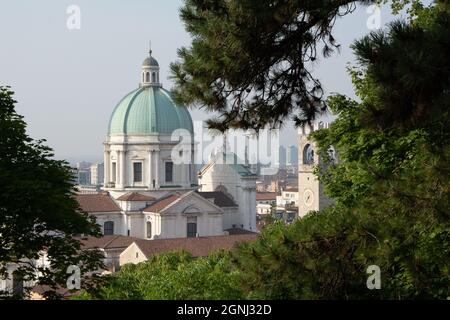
(292, 156)
(288, 198)
(84, 177)
(265, 201)
(82, 173)
(97, 174)
(84, 189)
(83, 165)
(282, 157)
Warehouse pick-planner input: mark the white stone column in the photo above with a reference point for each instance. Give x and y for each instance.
(107, 161)
(123, 173)
(157, 169)
(124, 224)
(245, 208)
(192, 168)
(183, 175)
(150, 169)
(179, 174)
(252, 217)
(117, 173)
(249, 207)
(186, 168)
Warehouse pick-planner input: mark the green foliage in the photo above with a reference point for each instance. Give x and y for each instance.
(406, 92)
(250, 61)
(37, 207)
(391, 187)
(175, 276)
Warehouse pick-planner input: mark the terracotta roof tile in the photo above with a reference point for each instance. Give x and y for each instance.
(63, 291)
(107, 242)
(198, 247)
(234, 231)
(134, 196)
(162, 203)
(266, 196)
(97, 203)
(220, 198)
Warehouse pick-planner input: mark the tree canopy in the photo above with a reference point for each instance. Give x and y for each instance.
(38, 211)
(391, 186)
(250, 61)
(411, 91)
(174, 276)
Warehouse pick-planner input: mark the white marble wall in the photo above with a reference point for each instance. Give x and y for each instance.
(242, 189)
(152, 151)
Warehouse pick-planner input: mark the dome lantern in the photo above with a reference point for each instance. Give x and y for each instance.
(150, 72)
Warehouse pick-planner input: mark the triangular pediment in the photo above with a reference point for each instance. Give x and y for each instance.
(192, 203)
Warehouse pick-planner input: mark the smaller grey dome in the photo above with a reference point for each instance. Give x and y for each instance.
(150, 62)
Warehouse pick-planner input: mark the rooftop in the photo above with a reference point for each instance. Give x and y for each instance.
(198, 247)
(261, 196)
(101, 202)
(107, 242)
(162, 203)
(135, 196)
(219, 198)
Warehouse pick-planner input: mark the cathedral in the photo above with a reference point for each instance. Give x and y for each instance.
(149, 195)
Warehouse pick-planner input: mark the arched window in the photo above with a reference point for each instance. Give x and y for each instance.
(308, 154)
(149, 229)
(108, 228)
(332, 155)
(147, 77)
(154, 77)
(143, 77)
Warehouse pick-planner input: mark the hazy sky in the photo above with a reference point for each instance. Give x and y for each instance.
(67, 82)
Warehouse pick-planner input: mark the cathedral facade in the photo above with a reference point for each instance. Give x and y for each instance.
(151, 189)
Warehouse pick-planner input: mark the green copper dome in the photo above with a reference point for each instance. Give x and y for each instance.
(149, 110)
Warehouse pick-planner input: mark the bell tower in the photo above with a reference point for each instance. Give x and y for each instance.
(310, 190)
